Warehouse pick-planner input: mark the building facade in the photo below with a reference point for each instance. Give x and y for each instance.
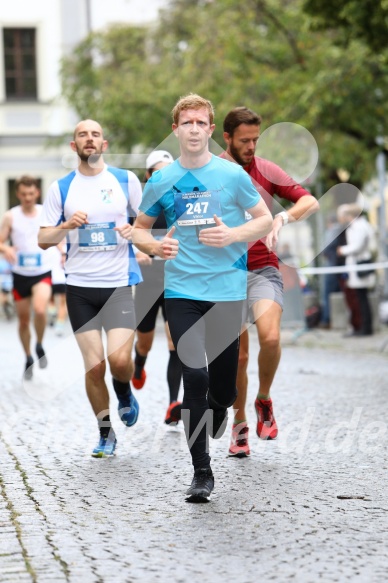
(35, 121)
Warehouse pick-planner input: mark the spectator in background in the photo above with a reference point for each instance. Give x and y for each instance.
(334, 237)
(360, 248)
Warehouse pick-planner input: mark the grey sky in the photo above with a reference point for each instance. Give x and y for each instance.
(128, 11)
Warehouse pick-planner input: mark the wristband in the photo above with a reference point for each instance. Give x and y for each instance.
(284, 217)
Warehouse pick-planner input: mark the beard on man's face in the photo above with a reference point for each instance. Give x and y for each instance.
(236, 156)
(91, 158)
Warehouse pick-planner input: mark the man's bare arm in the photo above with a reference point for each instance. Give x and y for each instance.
(167, 248)
(302, 209)
(5, 232)
(51, 236)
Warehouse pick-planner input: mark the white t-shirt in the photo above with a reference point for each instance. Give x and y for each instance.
(97, 256)
(30, 258)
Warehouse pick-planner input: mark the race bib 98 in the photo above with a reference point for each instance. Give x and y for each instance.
(97, 237)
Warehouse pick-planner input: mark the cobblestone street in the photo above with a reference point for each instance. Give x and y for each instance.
(310, 506)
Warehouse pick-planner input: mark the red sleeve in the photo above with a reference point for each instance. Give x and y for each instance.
(270, 179)
(275, 181)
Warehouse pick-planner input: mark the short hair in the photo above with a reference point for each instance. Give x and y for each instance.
(26, 180)
(192, 101)
(352, 210)
(240, 115)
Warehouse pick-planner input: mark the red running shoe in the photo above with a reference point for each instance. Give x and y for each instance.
(173, 414)
(239, 446)
(139, 378)
(266, 425)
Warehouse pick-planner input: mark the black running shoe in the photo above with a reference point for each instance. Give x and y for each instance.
(220, 421)
(29, 368)
(41, 355)
(201, 486)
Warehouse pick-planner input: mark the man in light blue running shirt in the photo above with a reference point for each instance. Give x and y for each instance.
(205, 200)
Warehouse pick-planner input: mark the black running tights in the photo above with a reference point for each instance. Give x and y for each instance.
(206, 337)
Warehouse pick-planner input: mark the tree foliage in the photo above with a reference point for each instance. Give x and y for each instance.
(111, 77)
(365, 20)
(260, 53)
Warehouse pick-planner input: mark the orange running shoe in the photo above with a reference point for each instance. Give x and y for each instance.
(239, 446)
(266, 425)
(139, 378)
(173, 414)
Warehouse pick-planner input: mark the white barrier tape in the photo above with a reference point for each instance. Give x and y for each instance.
(342, 268)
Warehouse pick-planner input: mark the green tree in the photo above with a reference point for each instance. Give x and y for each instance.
(365, 20)
(262, 54)
(113, 77)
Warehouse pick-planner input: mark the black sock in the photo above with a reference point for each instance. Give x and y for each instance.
(29, 361)
(139, 363)
(39, 350)
(105, 426)
(121, 389)
(174, 375)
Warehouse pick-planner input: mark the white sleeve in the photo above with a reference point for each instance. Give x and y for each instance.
(356, 239)
(134, 192)
(52, 212)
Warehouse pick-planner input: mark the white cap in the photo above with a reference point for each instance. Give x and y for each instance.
(158, 156)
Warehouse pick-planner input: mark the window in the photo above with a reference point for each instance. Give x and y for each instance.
(20, 63)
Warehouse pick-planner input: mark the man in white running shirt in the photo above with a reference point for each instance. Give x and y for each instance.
(93, 206)
(31, 267)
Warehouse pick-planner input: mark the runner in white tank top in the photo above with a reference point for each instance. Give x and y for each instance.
(31, 267)
(30, 259)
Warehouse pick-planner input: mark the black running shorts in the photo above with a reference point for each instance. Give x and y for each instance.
(59, 288)
(23, 284)
(97, 308)
(149, 296)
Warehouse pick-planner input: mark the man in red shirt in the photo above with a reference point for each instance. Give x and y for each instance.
(265, 284)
